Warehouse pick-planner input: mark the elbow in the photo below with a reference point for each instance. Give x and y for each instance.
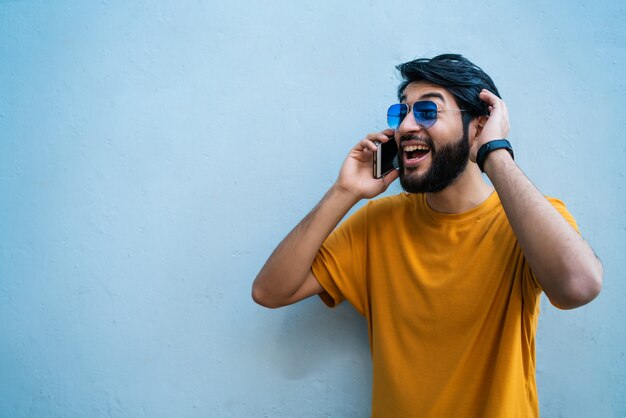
(261, 297)
(579, 291)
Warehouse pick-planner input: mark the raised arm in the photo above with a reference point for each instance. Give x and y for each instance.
(563, 262)
(286, 277)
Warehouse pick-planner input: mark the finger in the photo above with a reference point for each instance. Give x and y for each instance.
(391, 177)
(366, 144)
(388, 132)
(369, 142)
(487, 95)
(490, 99)
(380, 136)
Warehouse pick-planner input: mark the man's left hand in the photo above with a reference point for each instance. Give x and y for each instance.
(497, 125)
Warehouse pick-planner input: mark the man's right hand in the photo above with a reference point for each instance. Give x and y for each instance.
(286, 277)
(356, 176)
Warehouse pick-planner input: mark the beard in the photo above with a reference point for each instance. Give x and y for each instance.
(447, 164)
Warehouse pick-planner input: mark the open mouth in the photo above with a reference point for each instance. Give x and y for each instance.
(413, 154)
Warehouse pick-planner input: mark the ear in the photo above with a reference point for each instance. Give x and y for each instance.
(481, 120)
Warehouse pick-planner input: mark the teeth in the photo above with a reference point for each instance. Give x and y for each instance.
(410, 148)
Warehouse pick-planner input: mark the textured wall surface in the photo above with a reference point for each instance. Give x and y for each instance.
(153, 153)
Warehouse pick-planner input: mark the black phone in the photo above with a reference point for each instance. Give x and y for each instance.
(385, 158)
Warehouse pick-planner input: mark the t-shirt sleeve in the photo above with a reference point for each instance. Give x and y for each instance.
(532, 284)
(340, 264)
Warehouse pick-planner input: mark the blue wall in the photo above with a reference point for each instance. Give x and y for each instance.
(153, 153)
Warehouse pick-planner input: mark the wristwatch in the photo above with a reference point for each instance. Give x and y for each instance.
(490, 146)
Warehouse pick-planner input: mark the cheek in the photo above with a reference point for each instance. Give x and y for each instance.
(449, 132)
(444, 134)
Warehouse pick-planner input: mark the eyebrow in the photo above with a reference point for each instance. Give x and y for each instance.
(430, 95)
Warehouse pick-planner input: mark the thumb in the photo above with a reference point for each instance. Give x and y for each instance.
(391, 177)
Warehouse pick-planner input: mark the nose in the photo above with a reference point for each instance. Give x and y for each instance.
(409, 124)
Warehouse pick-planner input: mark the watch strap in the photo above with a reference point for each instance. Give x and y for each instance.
(491, 146)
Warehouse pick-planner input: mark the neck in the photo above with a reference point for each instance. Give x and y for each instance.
(467, 192)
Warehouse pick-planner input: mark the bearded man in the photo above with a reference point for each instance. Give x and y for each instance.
(449, 273)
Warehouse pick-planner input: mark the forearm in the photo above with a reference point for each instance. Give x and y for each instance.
(562, 261)
(287, 269)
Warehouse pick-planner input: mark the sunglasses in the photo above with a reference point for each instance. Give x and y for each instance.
(425, 113)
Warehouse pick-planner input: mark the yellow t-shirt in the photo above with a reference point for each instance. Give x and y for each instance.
(450, 302)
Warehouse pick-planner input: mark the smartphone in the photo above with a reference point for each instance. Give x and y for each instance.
(385, 158)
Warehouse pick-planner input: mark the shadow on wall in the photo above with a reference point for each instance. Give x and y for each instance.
(313, 337)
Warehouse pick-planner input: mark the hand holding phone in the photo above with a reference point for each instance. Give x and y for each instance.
(385, 158)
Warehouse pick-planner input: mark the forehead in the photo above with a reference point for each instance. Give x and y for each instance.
(422, 90)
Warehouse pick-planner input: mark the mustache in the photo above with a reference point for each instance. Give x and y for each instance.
(414, 137)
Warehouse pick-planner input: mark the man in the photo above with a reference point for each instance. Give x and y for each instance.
(449, 274)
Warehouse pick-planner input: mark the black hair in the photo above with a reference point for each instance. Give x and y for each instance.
(463, 79)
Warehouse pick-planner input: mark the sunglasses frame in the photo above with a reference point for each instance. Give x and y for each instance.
(419, 119)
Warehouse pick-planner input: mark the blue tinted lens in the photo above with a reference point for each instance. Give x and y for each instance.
(395, 114)
(425, 113)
